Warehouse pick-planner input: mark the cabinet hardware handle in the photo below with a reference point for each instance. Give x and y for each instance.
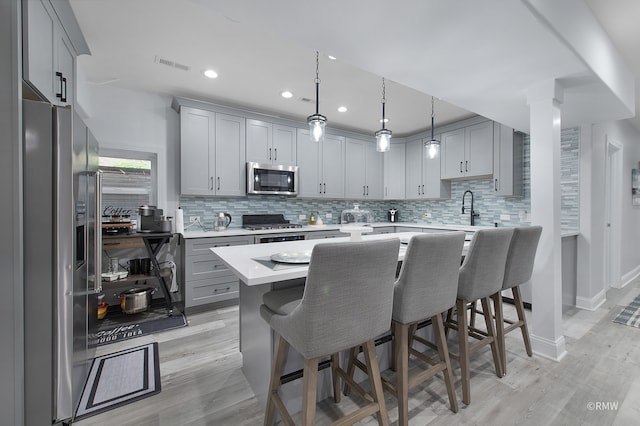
(461, 167)
(495, 185)
(269, 153)
(64, 83)
(418, 189)
(325, 188)
(320, 188)
(363, 190)
(275, 154)
(211, 183)
(466, 166)
(59, 75)
(367, 190)
(218, 183)
(422, 189)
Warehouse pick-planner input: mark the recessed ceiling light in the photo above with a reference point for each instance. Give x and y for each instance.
(286, 94)
(211, 74)
(333, 58)
(342, 109)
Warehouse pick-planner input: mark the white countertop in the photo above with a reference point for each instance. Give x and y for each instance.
(230, 232)
(198, 233)
(240, 259)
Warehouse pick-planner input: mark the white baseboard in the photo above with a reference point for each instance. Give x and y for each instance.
(553, 350)
(630, 276)
(591, 304)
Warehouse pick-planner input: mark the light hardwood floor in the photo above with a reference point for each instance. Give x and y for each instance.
(203, 383)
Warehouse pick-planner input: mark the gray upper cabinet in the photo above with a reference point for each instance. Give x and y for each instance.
(49, 59)
(230, 176)
(364, 170)
(271, 143)
(394, 172)
(422, 174)
(212, 148)
(507, 161)
(467, 152)
(321, 165)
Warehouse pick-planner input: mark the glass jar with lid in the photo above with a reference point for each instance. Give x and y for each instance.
(356, 216)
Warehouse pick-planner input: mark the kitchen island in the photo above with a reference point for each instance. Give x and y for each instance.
(258, 275)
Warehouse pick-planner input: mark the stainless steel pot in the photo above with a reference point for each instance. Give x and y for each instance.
(137, 299)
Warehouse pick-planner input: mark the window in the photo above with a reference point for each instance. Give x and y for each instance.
(129, 181)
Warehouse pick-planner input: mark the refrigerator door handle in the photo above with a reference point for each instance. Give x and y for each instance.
(97, 229)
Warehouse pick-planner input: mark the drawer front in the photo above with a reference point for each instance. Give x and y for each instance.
(205, 267)
(203, 291)
(198, 246)
(317, 235)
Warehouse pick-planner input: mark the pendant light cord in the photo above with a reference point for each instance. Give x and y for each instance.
(317, 81)
(384, 101)
(432, 119)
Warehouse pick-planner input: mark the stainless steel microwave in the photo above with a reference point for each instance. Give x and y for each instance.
(272, 179)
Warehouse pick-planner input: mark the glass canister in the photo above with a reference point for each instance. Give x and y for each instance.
(356, 215)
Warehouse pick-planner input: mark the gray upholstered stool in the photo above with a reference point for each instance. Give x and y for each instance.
(426, 288)
(481, 276)
(347, 302)
(518, 270)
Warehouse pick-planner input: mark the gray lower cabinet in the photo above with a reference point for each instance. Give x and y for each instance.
(207, 279)
(318, 235)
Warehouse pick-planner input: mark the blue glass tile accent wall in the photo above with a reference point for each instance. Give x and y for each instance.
(489, 206)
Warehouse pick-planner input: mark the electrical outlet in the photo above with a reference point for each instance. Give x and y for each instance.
(194, 219)
(426, 215)
(329, 216)
(302, 217)
(505, 217)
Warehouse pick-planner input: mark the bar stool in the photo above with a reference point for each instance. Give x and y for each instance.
(426, 287)
(347, 302)
(481, 276)
(518, 270)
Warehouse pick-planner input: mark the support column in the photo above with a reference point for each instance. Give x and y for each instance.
(547, 337)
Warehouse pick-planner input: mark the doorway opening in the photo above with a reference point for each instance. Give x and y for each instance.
(613, 213)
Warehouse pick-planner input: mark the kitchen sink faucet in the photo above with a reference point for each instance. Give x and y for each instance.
(473, 214)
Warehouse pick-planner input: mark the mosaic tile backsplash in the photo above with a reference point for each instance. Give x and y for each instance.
(489, 206)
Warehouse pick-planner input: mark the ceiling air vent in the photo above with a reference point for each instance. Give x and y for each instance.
(172, 64)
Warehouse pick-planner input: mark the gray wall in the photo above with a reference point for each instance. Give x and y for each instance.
(11, 327)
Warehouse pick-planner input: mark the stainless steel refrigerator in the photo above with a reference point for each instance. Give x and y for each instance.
(62, 248)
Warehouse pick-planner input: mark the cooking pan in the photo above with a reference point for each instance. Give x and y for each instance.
(137, 299)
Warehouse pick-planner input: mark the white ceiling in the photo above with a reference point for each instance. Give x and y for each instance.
(480, 56)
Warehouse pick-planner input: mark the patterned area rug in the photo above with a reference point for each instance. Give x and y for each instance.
(630, 315)
(120, 378)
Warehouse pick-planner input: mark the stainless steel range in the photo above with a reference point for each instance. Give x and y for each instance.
(258, 222)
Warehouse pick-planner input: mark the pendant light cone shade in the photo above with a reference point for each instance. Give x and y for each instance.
(432, 146)
(383, 136)
(317, 121)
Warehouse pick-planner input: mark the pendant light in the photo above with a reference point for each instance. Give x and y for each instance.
(433, 146)
(383, 136)
(317, 121)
